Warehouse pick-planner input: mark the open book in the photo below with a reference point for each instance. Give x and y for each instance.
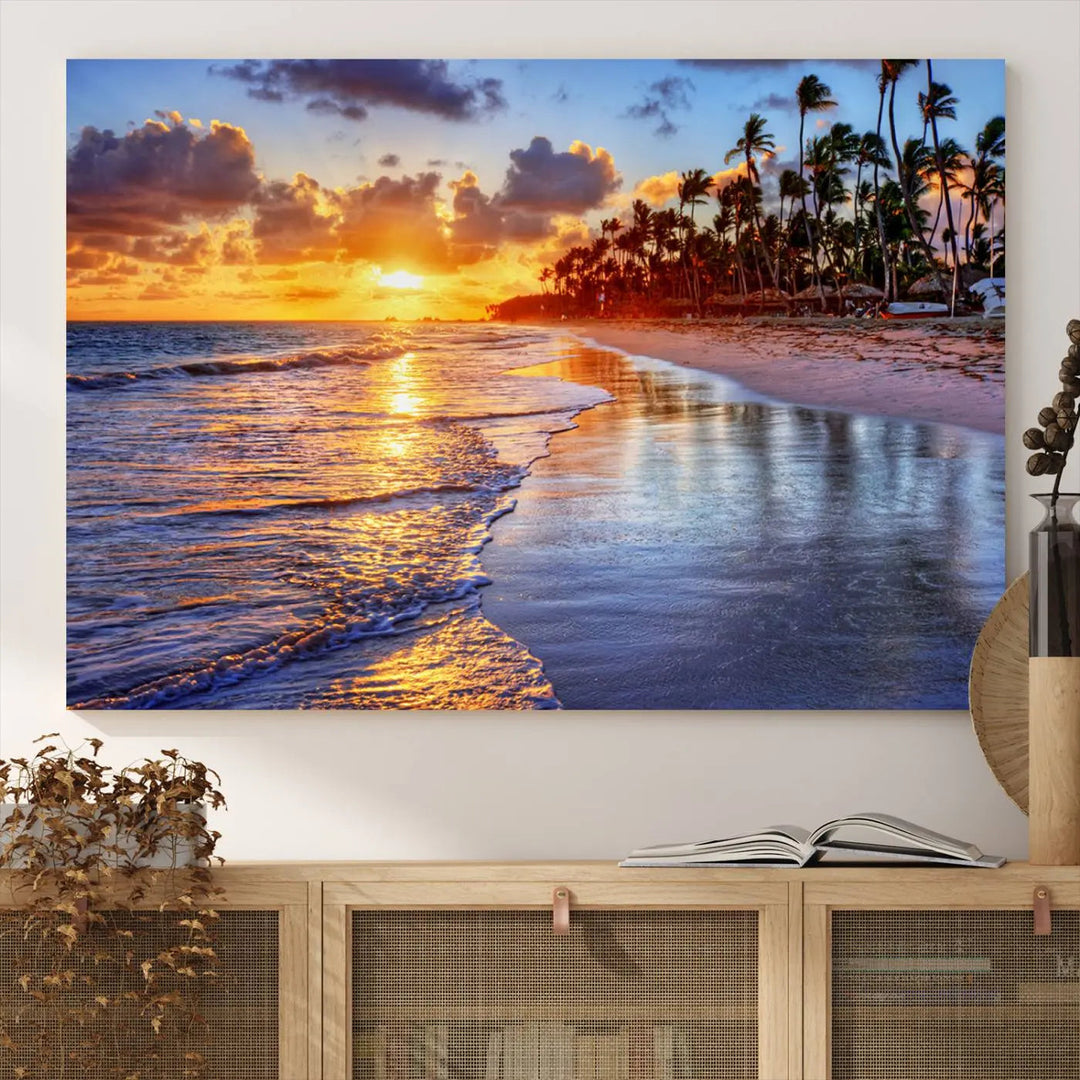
(865, 837)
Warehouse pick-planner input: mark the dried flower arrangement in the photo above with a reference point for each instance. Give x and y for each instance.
(106, 940)
(1054, 600)
(1055, 438)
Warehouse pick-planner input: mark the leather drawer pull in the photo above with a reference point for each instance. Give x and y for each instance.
(560, 911)
(1041, 909)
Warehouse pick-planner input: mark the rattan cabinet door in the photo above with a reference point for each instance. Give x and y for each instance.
(235, 1028)
(927, 976)
(923, 995)
(496, 995)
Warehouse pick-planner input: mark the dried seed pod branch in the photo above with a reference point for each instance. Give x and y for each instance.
(1057, 435)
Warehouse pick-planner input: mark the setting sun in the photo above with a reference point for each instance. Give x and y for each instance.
(401, 279)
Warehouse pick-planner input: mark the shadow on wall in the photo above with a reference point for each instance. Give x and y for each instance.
(341, 786)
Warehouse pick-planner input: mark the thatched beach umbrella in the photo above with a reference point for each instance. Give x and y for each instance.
(769, 296)
(857, 290)
(811, 293)
(931, 285)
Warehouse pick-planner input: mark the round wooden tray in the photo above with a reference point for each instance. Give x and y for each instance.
(998, 691)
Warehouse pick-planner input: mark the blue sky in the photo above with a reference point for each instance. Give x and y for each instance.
(273, 187)
(564, 100)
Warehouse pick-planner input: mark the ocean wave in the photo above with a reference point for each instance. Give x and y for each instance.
(559, 412)
(331, 503)
(317, 358)
(336, 629)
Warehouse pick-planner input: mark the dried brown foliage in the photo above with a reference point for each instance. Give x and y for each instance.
(107, 944)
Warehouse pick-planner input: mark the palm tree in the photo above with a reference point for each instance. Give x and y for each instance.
(812, 95)
(990, 143)
(890, 277)
(756, 140)
(692, 192)
(614, 226)
(891, 71)
(693, 189)
(871, 151)
(730, 199)
(941, 103)
(839, 148)
(792, 187)
(954, 159)
(982, 192)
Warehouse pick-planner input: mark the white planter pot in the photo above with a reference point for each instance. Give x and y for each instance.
(163, 859)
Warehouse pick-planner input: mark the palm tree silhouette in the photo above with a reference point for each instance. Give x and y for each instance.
(891, 70)
(939, 102)
(731, 199)
(953, 157)
(755, 140)
(664, 254)
(792, 187)
(871, 151)
(890, 276)
(990, 145)
(692, 192)
(812, 95)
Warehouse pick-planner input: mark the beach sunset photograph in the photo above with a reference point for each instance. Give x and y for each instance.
(533, 384)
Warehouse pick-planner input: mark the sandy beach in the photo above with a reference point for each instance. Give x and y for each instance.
(697, 544)
(949, 372)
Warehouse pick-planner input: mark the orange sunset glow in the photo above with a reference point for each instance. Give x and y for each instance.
(353, 189)
(375, 400)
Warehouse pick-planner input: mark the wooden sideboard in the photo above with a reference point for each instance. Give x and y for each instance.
(419, 971)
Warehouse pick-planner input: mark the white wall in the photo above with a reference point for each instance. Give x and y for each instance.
(573, 785)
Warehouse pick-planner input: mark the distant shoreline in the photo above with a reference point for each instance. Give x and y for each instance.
(943, 371)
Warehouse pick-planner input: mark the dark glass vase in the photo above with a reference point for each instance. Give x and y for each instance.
(1055, 579)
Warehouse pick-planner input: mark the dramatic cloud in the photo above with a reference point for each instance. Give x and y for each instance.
(96, 267)
(236, 245)
(350, 87)
(772, 102)
(670, 93)
(390, 161)
(174, 249)
(773, 165)
(78, 259)
(657, 190)
(291, 224)
(157, 176)
(328, 106)
(570, 232)
(660, 189)
(482, 222)
(569, 182)
(395, 223)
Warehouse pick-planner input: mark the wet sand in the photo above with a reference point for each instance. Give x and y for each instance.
(949, 371)
(693, 544)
